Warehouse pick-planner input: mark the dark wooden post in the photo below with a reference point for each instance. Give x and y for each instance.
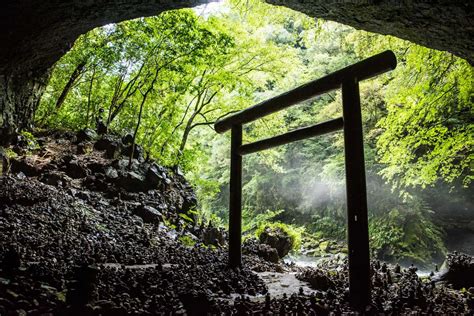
(357, 221)
(235, 198)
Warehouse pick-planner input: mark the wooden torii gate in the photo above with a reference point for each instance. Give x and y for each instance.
(351, 122)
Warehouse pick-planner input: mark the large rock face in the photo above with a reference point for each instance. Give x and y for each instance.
(444, 25)
(37, 33)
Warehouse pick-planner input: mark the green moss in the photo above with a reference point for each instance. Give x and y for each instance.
(32, 143)
(10, 154)
(293, 232)
(187, 241)
(324, 246)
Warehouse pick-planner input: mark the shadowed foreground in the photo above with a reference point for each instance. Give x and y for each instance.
(81, 233)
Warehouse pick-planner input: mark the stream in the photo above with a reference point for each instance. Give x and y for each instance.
(312, 262)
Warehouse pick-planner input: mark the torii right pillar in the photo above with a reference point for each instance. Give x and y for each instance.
(357, 220)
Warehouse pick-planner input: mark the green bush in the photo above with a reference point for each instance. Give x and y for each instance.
(187, 241)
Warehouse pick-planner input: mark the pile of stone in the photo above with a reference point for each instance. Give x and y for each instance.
(86, 162)
(86, 232)
(457, 270)
(77, 237)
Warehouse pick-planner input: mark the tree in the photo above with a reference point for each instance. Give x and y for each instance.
(427, 135)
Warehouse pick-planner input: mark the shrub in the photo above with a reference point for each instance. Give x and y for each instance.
(187, 240)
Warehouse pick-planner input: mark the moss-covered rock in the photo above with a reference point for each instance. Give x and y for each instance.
(280, 236)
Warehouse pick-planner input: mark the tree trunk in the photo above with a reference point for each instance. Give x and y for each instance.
(89, 95)
(187, 131)
(72, 79)
(19, 99)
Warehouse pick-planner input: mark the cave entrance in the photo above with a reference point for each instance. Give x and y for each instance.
(34, 41)
(351, 123)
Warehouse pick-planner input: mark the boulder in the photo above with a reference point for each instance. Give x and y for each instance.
(268, 253)
(457, 270)
(324, 246)
(75, 170)
(24, 165)
(55, 178)
(86, 135)
(213, 236)
(278, 239)
(132, 181)
(317, 278)
(111, 173)
(148, 214)
(20, 176)
(110, 144)
(154, 175)
(123, 165)
(162, 207)
(97, 182)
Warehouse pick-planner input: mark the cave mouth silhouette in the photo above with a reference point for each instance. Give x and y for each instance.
(36, 34)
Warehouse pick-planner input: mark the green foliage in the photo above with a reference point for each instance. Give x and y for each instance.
(427, 135)
(251, 222)
(295, 233)
(177, 73)
(429, 131)
(30, 139)
(408, 236)
(187, 240)
(328, 227)
(186, 217)
(10, 154)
